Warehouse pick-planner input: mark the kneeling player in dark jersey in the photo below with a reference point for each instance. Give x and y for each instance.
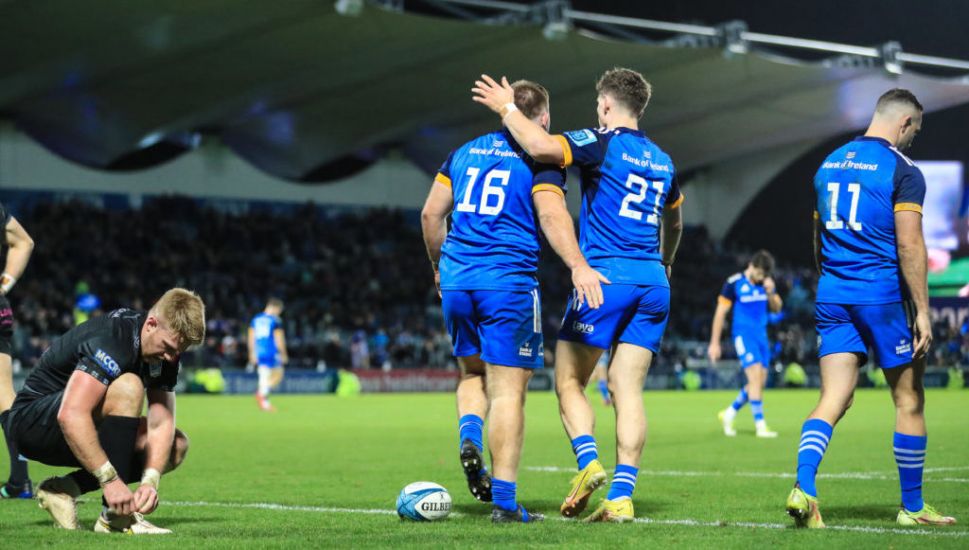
(81, 407)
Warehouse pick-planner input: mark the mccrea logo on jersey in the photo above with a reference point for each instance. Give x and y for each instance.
(581, 137)
(110, 365)
(583, 328)
(904, 347)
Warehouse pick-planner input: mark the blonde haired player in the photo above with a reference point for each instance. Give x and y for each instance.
(81, 407)
(267, 350)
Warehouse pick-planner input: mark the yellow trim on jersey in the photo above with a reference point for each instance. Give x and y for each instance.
(816, 215)
(908, 206)
(566, 150)
(548, 187)
(442, 179)
(678, 202)
(724, 300)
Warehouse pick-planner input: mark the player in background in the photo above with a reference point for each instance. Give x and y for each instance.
(601, 377)
(872, 259)
(750, 293)
(629, 229)
(19, 246)
(81, 407)
(485, 268)
(267, 350)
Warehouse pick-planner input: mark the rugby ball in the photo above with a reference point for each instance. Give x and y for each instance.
(423, 501)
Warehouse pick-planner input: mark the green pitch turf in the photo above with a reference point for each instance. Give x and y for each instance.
(325, 471)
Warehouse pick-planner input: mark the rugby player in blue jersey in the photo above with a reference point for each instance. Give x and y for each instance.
(872, 295)
(629, 229)
(267, 350)
(750, 294)
(485, 268)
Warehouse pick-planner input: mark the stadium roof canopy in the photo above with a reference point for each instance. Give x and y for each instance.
(309, 90)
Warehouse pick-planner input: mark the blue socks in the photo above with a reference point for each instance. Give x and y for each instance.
(585, 450)
(740, 401)
(910, 457)
(503, 494)
(815, 435)
(757, 408)
(604, 389)
(623, 482)
(470, 427)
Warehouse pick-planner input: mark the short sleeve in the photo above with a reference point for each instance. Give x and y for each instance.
(444, 173)
(549, 178)
(674, 198)
(4, 215)
(727, 294)
(582, 147)
(909, 188)
(103, 359)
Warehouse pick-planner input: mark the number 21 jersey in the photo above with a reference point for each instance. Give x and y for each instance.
(627, 182)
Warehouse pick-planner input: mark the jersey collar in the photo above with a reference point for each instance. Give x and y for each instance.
(883, 141)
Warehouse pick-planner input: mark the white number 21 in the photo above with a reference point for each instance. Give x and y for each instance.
(637, 197)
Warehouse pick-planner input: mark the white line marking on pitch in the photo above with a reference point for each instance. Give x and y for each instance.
(648, 521)
(785, 475)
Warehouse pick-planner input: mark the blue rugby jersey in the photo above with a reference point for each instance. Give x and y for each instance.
(263, 327)
(493, 243)
(750, 305)
(627, 182)
(859, 187)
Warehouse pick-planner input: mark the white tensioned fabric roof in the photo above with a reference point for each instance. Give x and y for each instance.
(293, 86)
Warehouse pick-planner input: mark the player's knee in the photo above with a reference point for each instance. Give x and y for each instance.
(566, 385)
(909, 403)
(124, 396)
(179, 450)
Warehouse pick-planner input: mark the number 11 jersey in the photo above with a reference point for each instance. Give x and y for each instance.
(627, 183)
(859, 187)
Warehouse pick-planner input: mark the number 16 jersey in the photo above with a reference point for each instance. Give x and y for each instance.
(493, 241)
(859, 187)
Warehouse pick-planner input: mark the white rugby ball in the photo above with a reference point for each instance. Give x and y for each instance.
(423, 501)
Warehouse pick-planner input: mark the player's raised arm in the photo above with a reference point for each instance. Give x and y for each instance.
(18, 254)
(557, 225)
(774, 301)
(913, 261)
(434, 221)
(500, 98)
(159, 441)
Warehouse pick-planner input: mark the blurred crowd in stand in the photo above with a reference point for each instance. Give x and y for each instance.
(356, 283)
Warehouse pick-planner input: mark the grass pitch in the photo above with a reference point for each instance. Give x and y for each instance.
(325, 471)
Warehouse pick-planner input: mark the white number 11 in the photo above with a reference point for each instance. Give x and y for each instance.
(853, 223)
